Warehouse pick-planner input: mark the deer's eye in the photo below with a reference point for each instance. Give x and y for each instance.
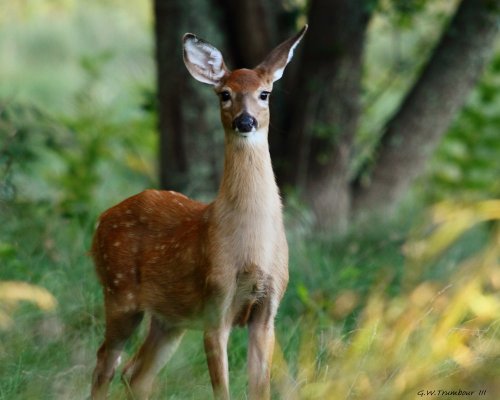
(264, 95)
(225, 95)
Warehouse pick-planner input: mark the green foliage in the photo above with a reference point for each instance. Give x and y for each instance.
(403, 12)
(46, 45)
(90, 122)
(400, 38)
(24, 132)
(467, 163)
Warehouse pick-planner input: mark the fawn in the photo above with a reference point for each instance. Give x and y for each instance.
(196, 266)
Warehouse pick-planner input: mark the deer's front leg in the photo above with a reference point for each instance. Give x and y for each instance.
(215, 341)
(260, 352)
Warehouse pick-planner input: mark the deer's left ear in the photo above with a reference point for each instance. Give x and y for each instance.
(276, 61)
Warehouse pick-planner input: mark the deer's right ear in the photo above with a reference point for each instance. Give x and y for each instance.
(203, 61)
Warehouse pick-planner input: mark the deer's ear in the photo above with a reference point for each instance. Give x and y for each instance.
(276, 61)
(203, 61)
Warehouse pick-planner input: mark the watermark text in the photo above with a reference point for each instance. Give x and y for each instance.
(450, 392)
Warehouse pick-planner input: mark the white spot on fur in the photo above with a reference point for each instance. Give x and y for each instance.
(116, 244)
(178, 203)
(127, 308)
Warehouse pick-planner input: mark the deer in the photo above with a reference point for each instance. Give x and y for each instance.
(191, 265)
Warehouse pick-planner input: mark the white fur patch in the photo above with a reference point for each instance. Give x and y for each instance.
(255, 137)
(292, 49)
(279, 73)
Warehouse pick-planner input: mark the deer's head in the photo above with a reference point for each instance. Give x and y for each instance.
(243, 93)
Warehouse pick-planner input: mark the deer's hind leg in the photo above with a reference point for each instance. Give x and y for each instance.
(120, 324)
(159, 346)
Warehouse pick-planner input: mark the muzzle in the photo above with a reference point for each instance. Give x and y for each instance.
(244, 123)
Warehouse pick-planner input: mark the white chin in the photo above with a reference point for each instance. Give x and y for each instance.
(245, 134)
(254, 137)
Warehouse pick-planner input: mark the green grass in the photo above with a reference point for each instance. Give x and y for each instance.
(50, 355)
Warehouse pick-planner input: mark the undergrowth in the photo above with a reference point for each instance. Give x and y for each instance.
(363, 317)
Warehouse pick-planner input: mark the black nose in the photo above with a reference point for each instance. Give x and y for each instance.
(244, 123)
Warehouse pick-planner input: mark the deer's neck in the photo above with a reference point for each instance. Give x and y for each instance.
(245, 219)
(248, 184)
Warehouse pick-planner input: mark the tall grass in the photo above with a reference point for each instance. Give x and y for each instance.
(347, 328)
(435, 335)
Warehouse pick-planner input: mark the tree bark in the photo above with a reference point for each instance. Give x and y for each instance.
(323, 118)
(248, 28)
(171, 83)
(430, 106)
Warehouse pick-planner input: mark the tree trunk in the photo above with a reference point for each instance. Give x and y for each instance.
(323, 118)
(248, 29)
(186, 109)
(169, 16)
(430, 106)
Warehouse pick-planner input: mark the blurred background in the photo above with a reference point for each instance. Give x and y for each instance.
(385, 143)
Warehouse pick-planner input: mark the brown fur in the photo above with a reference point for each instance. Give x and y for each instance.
(244, 80)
